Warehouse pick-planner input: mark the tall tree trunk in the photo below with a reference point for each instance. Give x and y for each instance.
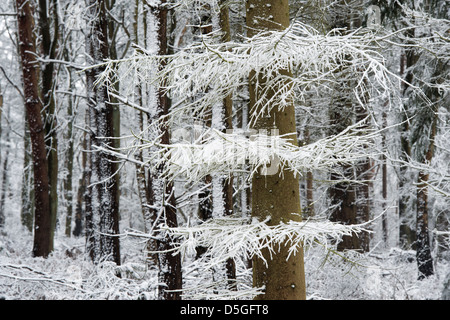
(80, 200)
(423, 251)
(68, 179)
(114, 105)
(162, 191)
(275, 196)
(4, 171)
(406, 233)
(102, 212)
(350, 201)
(343, 194)
(384, 181)
(141, 177)
(4, 179)
(49, 49)
(42, 230)
(364, 167)
(4, 183)
(363, 187)
(227, 125)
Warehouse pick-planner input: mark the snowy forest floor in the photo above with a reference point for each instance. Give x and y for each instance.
(389, 274)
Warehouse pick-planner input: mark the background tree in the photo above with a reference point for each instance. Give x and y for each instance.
(162, 193)
(349, 199)
(102, 213)
(49, 49)
(2, 213)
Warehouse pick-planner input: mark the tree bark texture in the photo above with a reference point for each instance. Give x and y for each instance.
(342, 194)
(141, 172)
(423, 251)
(350, 201)
(227, 124)
(102, 212)
(275, 196)
(406, 233)
(4, 179)
(162, 191)
(68, 179)
(49, 45)
(42, 238)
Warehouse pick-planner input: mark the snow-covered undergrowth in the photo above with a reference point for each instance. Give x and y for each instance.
(389, 274)
(68, 274)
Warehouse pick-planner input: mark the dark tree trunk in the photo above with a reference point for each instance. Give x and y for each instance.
(49, 49)
(4, 171)
(343, 201)
(170, 275)
(423, 252)
(102, 214)
(33, 106)
(224, 21)
(406, 233)
(343, 195)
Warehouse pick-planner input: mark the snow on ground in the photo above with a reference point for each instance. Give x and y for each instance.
(67, 274)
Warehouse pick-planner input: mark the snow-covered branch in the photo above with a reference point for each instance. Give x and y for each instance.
(225, 153)
(207, 72)
(242, 237)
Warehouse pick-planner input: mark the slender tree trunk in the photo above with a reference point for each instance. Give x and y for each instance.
(141, 177)
(68, 179)
(423, 251)
(275, 196)
(1, 112)
(384, 182)
(3, 187)
(363, 187)
(33, 106)
(81, 192)
(49, 49)
(4, 183)
(343, 194)
(406, 233)
(227, 125)
(343, 201)
(27, 194)
(102, 212)
(161, 191)
(308, 210)
(5, 171)
(350, 201)
(114, 105)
